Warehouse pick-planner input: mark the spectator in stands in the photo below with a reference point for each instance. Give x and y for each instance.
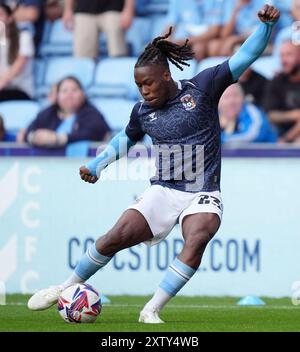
(239, 21)
(200, 22)
(254, 86)
(29, 14)
(71, 119)
(282, 100)
(242, 122)
(112, 17)
(16, 60)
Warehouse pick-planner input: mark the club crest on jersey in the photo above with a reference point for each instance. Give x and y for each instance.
(188, 102)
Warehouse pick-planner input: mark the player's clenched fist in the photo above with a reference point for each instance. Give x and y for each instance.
(269, 14)
(86, 176)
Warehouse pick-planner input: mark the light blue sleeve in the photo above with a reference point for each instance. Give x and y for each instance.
(116, 148)
(252, 48)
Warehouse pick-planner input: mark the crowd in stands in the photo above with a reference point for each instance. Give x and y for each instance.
(70, 118)
(70, 62)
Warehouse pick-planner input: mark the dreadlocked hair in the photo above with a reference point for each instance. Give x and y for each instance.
(160, 50)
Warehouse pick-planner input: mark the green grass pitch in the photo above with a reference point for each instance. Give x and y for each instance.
(183, 314)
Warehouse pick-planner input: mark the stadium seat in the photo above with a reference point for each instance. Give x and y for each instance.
(103, 50)
(59, 41)
(18, 114)
(148, 7)
(158, 25)
(187, 73)
(60, 67)
(138, 35)
(114, 77)
(116, 111)
(39, 68)
(267, 66)
(210, 62)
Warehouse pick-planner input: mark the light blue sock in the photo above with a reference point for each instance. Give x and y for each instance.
(177, 275)
(90, 263)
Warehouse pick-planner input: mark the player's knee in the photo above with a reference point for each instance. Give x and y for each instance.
(199, 234)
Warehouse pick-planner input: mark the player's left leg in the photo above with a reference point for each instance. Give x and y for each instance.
(198, 229)
(131, 229)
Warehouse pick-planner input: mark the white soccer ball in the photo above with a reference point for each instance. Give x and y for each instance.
(79, 303)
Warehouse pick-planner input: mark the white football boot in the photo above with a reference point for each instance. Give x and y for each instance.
(45, 298)
(150, 317)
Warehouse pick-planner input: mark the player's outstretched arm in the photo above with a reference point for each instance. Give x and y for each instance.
(116, 148)
(255, 45)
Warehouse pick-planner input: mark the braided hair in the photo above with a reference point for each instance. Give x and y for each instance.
(160, 50)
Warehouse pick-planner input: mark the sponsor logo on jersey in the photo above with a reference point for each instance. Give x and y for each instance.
(152, 117)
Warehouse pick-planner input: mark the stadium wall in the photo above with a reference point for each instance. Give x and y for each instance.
(48, 217)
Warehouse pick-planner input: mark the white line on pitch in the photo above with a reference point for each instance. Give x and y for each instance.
(180, 306)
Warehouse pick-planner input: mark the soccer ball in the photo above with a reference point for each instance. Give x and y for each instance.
(79, 303)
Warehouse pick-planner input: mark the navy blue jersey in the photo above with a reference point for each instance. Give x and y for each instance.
(189, 126)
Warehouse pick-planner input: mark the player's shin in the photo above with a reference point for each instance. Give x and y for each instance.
(177, 275)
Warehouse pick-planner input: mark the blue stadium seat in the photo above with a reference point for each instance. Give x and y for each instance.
(18, 114)
(59, 41)
(103, 50)
(146, 7)
(267, 66)
(158, 25)
(210, 62)
(187, 73)
(114, 77)
(138, 35)
(158, 6)
(60, 67)
(116, 111)
(39, 69)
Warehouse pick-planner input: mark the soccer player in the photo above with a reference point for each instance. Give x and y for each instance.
(175, 115)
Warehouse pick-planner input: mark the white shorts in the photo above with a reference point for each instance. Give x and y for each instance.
(164, 207)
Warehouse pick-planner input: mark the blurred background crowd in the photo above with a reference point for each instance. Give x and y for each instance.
(66, 67)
